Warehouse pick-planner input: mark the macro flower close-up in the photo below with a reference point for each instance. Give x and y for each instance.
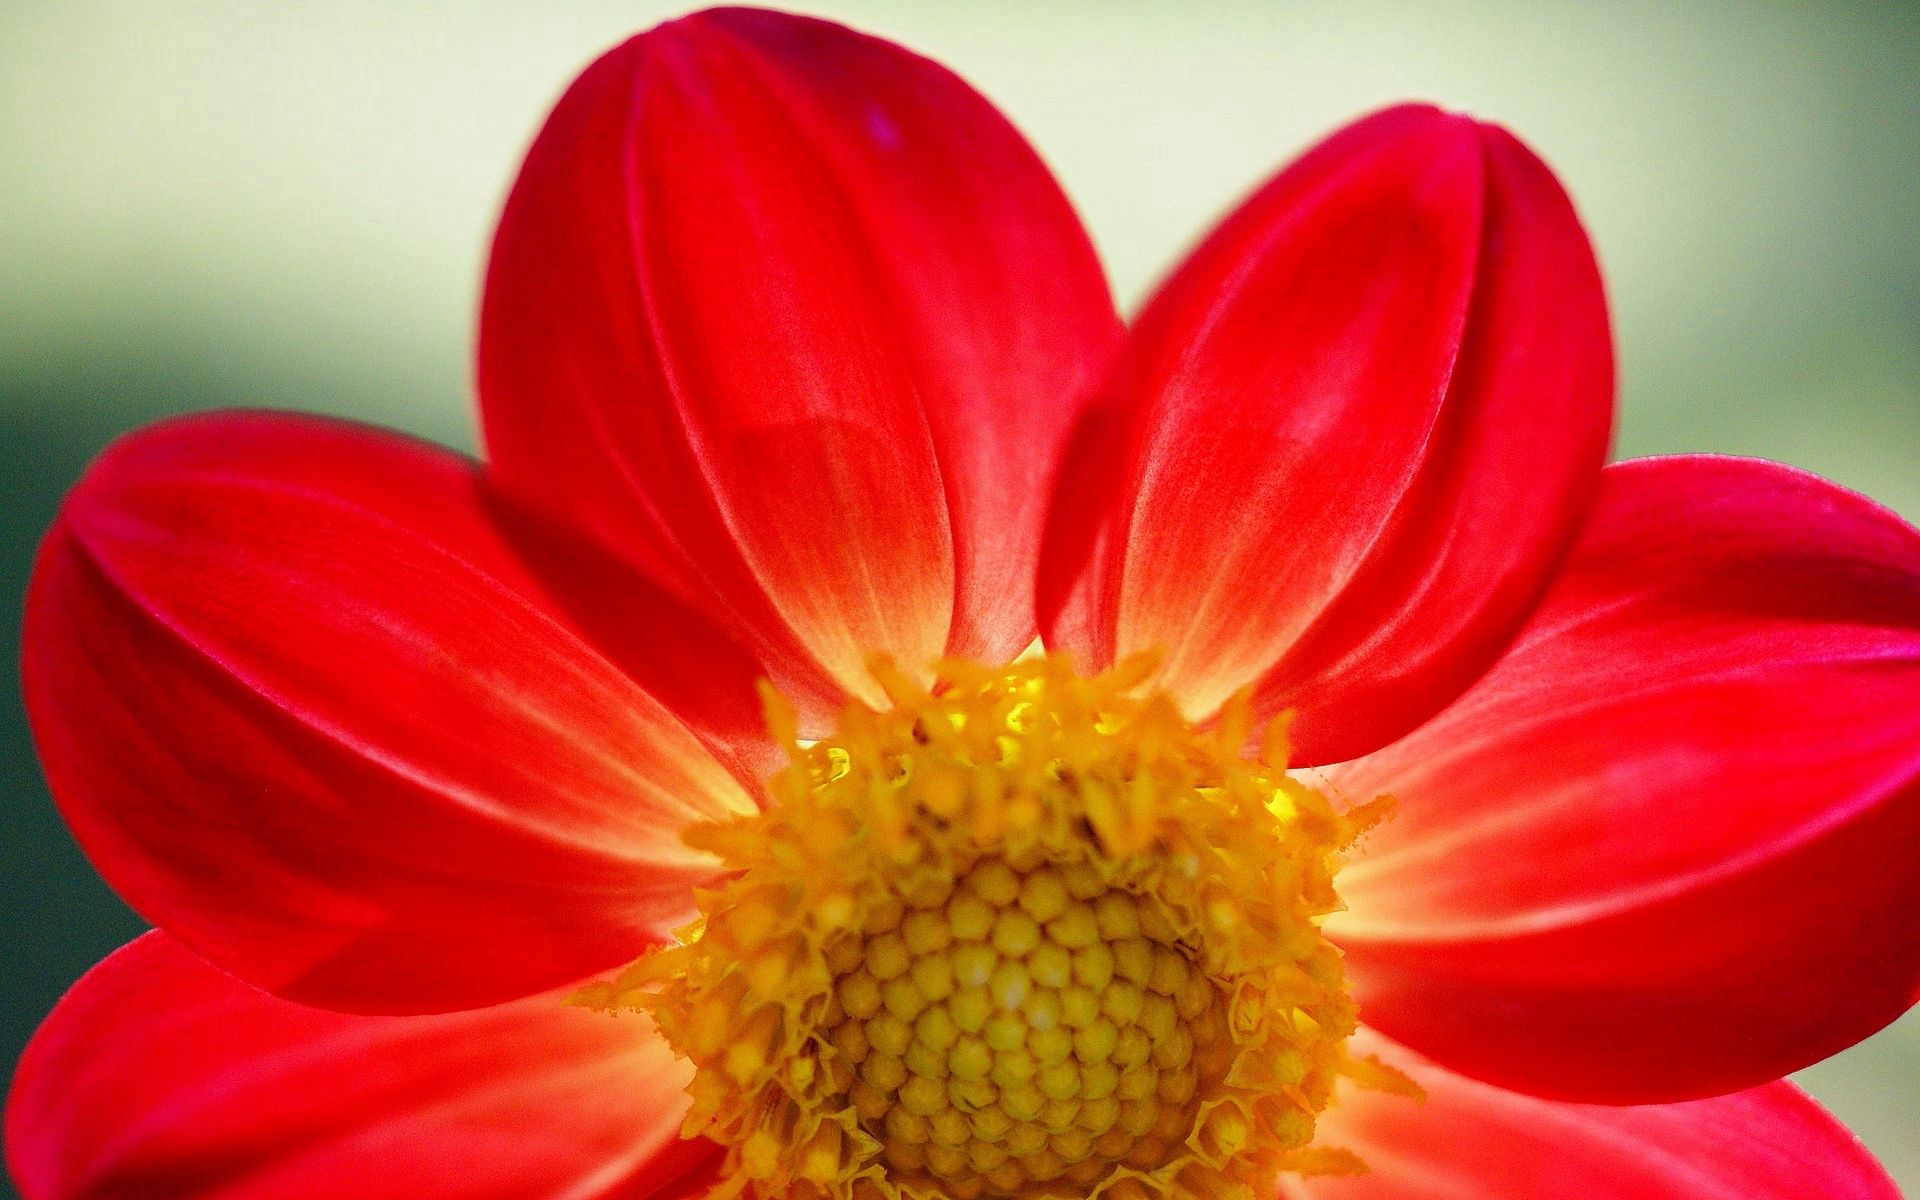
(875, 725)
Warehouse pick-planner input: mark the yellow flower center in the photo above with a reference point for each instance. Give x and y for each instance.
(1023, 933)
(1038, 1026)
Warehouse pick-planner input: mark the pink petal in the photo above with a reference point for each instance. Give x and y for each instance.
(798, 322)
(1471, 1141)
(307, 706)
(1349, 439)
(158, 1078)
(1666, 847)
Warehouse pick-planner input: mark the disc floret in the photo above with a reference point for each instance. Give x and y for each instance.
(1022, 933)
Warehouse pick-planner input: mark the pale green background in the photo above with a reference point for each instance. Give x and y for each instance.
(287, 205)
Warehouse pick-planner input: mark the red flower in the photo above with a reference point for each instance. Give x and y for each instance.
(792, 351)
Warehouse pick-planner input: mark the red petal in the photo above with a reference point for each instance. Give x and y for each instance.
(1470, 1140)
(1352, 436)
(308, 709)
(159, 1077)
(1666, 847)
(797, 321)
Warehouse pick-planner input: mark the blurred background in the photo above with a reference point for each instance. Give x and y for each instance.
(288, 205)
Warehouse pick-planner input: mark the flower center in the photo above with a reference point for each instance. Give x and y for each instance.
(1038, 1026)
(1025, 933)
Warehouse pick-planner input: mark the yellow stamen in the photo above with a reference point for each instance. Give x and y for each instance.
(1027, 933)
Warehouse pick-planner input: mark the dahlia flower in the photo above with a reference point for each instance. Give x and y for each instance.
(874, 728)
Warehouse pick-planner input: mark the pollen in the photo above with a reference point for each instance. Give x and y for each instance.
(1022, 933)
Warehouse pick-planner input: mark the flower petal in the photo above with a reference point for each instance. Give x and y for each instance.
(1349, 439)
(797, 321)
(306, 707)
(1666, 847)
(1471, 1140)
(159, 1077)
